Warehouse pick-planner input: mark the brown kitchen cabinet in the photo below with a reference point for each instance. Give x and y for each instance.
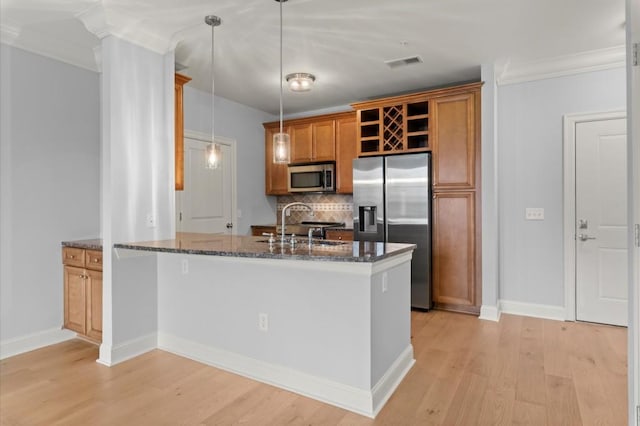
(346, 151)
(180, 81)
(393, 125)
(258, 230)
(339, 234)
(456, 249)
(329, 137)
(83, 291)
(275, 174)
(313, 141)
(455, 140)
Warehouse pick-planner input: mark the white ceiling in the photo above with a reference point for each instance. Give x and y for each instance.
(343, 42)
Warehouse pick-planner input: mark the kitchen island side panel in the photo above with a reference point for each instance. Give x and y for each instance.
(318, 320)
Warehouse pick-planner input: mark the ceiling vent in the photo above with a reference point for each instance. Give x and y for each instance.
(395, 63)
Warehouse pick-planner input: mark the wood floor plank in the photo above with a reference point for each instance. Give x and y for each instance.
(530, 385)
(468, 371)
(562, 402)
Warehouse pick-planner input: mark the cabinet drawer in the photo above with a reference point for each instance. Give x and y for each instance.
(339, 234)
(73, 256)
(93, 260)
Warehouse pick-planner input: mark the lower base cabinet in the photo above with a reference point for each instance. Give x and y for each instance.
(454, 251)
(83, 292)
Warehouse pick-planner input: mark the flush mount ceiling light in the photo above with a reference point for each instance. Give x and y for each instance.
(281, 140)
(300, 81)
(214, 151)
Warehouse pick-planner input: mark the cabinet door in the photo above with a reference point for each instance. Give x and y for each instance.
(346, 151)
(324, 140)
(74, 299)
(180, 81)
(454, 249)
(94, 304)
(301, 143)
(454, 142)
(275, 174)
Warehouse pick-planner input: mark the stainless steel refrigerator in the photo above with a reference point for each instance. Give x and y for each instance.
(392, 203)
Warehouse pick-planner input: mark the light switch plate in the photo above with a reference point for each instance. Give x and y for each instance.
(534, 213)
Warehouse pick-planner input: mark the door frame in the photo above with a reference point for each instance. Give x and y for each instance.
(569, 196)
(206, 139)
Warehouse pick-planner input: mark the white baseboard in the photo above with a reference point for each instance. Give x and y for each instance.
(361, 401)
(391, 379)
(532, 310)
(110, 356)
(30, 342)
(490, 313)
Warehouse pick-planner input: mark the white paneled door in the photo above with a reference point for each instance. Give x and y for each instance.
(601, 222)
(205, 205)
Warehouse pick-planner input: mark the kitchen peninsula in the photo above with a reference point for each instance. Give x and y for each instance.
(330, 321)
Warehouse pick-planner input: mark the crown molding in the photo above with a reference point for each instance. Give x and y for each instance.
(595, 60)
(104, 23)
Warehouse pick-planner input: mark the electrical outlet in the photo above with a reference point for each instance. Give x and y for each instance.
(263, 322)
(151, 220)
(534, 213)
(385, 282)
(185, 266)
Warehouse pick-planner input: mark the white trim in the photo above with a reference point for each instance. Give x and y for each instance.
(532, 310)
(127, 350)
(232, 144)
(569, 184)
(30, 342)
(490, 313)
(361, 401)
(594, 60)
(391, 379)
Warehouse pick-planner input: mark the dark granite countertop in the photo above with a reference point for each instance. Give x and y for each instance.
(93, 244)
(257, 247)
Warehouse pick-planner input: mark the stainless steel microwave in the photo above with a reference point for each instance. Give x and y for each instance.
(319, 177)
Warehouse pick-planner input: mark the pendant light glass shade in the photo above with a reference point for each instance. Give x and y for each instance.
(214, 156)
(281, 141)
(281, 148)
(213, 152)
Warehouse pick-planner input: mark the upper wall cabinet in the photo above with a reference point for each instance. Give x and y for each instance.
(313, 141)
(393, 125)
(455, 133)
(180, 81)
(275, 174)
(330, 137)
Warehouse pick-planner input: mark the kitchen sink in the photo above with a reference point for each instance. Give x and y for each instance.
(304, 241)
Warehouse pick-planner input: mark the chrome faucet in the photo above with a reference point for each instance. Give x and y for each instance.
(284, 210)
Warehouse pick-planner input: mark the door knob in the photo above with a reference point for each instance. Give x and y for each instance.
(229, 225)
(585, 237)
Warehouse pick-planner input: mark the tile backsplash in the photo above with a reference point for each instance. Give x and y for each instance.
(326, 207)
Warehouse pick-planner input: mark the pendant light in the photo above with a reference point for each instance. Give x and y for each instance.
(281, 141)
(214, 152)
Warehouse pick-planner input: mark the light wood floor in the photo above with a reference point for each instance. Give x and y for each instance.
(518, 371)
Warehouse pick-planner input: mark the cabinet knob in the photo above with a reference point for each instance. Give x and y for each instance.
(95, 260)
(71, 256)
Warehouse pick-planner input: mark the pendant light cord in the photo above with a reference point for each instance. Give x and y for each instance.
(213, 101)
(281, 1)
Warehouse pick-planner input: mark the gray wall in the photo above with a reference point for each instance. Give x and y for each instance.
(49, 183)
(530, 175)
(244, 125)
